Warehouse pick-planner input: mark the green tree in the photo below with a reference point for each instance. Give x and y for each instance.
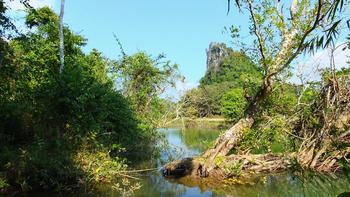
(205, 101)
(233, 103)
(237, 71)
(279, 39)
(143, 79)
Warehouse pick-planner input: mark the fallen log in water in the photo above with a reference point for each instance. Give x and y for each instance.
(225, 167)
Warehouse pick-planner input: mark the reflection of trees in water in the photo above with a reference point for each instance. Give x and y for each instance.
(188, 142)
(290, 185)
(321, 185)
(199, 139)
(155, 185)
(174, 152)
(305, 184)
(300, 184)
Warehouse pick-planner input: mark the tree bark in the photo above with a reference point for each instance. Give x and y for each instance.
(248, 166)
(61, 36)
(231, 137)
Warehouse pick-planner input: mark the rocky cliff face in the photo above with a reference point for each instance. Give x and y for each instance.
(216, 53)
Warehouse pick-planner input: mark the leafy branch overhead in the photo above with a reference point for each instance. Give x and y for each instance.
(281, 32)
(330, 19)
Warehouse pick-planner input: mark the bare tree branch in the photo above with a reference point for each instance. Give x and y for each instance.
(257, 34)
(301, 45)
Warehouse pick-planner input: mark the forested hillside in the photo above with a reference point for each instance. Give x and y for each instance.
(227, 70)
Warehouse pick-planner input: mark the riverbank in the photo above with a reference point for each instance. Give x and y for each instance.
(209, 123)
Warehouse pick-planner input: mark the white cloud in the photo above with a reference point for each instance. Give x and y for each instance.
(323, 58)
(42, 3)
(312, 65)
(185, 85)
(181, 88)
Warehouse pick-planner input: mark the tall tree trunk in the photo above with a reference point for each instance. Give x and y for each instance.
(231, 137)
(61, 35)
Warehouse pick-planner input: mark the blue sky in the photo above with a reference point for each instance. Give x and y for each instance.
(181, 29)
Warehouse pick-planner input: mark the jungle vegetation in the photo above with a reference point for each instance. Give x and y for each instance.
(70, 120)
(237, 72)
(70, 126)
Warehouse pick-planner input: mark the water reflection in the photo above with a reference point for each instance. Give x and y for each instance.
(198, 139)
(182, 143)
(185, 143)
(291, 184)
(156, 185)
(192, 142)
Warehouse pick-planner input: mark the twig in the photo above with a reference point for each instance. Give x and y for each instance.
(141, 170)
(257, 34)
(128, 176)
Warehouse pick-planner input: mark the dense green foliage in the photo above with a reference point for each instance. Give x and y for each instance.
(292, 110)
(204, 101)
(237, 71)
(237, 68)
(271, 132)
(61, 131)
(233, 103)
(143, 79)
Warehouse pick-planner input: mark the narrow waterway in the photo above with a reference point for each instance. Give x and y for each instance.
(191, 142)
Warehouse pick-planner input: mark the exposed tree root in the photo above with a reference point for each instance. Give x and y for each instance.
(238, 166)
(328, 149)
(324, 159)
(264, 163)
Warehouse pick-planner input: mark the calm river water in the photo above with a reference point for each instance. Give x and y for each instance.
(184, 143)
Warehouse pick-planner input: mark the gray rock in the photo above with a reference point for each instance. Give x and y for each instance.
(216, 53)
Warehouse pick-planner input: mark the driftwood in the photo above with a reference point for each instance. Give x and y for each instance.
(327, 149)
(244, 167)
